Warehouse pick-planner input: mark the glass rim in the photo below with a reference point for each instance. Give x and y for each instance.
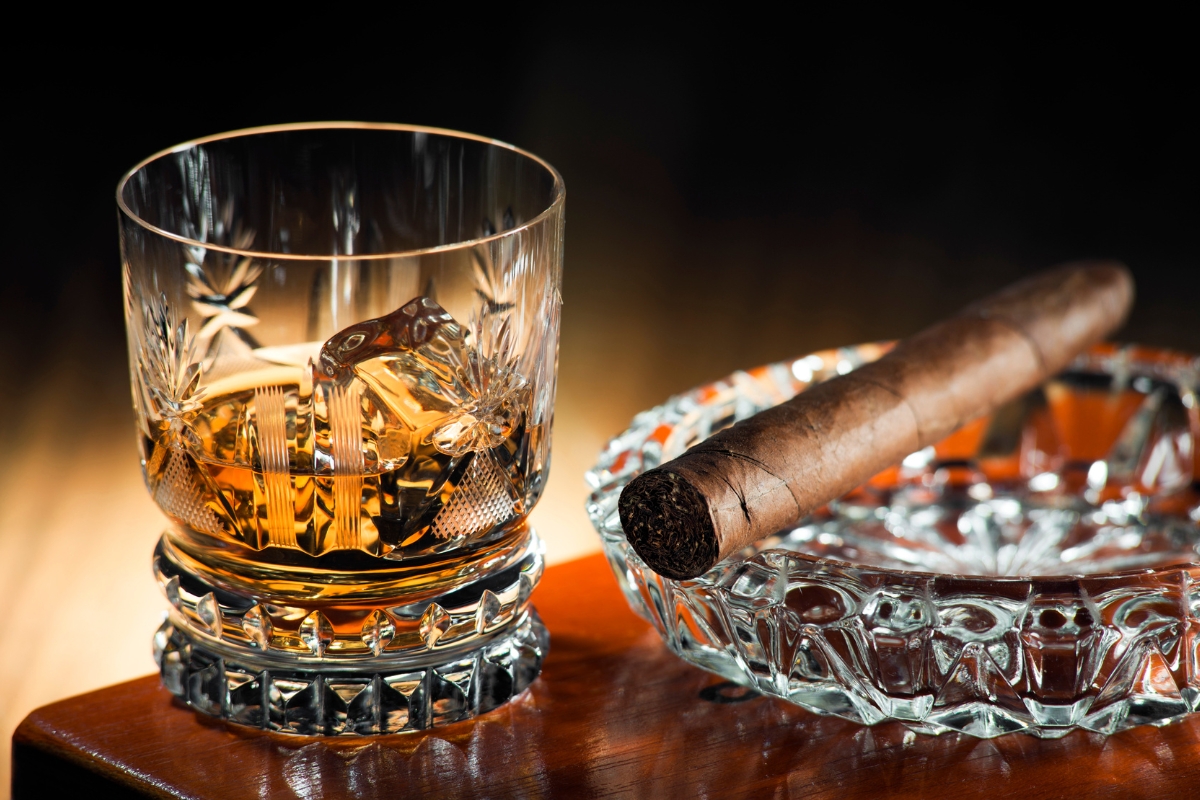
(558, 193)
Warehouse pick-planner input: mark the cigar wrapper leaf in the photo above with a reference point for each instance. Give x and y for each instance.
(769, 471)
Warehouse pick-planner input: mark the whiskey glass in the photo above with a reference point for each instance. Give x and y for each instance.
(343, 342)
(1037, 571)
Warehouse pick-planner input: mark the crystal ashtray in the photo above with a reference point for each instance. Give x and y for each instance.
(1037, 571)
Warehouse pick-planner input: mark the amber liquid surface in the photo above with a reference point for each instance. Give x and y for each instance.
(341, 458)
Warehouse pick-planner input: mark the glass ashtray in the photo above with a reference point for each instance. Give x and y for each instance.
(1037, 571)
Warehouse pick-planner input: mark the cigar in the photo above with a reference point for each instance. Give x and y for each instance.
(769, 471)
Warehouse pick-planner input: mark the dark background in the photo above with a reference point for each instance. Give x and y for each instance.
(731, 200)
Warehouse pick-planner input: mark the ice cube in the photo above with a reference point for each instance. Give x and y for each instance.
(420, 363)
(414, 325)
(409, 398)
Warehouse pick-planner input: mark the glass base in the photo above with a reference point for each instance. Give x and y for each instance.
(379, 696)
(334, 653)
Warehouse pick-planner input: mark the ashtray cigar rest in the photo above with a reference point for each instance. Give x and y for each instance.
(1037, 571)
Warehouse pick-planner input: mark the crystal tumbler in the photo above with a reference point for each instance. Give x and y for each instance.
(1037, 571)
(343, 341)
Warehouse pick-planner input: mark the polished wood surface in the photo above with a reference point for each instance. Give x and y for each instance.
(613, 715)
(76, 534)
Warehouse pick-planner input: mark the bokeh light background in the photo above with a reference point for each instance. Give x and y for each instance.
(727, 206)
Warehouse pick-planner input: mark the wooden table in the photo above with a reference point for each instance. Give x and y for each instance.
(613, 715)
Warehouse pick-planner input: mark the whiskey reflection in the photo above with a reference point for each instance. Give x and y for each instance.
(495, 753)
(625, 717)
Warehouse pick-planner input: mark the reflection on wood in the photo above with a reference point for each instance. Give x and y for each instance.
(613, 714)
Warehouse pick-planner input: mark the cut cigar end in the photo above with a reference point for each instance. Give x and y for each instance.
(667, 521)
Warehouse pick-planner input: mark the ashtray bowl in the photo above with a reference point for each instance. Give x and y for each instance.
(1038, 571)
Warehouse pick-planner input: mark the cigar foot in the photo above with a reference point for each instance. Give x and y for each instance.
(667, 521)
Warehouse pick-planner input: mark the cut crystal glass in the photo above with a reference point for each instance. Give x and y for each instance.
(343, 341)
(1037, 571)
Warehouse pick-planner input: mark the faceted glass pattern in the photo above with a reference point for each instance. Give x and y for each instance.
(359, 702)
(1037, 571)
(343, 344)
(222, 650)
